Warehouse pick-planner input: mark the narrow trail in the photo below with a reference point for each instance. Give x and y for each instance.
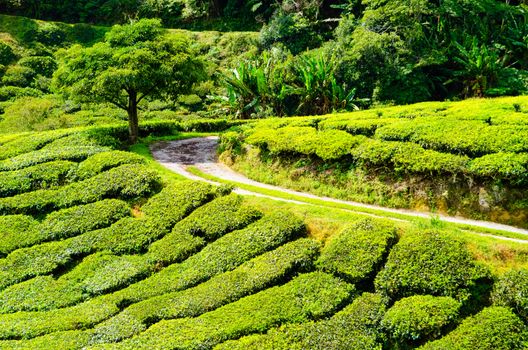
(201, 154)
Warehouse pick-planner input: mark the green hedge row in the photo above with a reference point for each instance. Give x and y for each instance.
(104, 161)
(68, 340)
(327, 145)
(13, 231)
(355, 327)
(178, 200)
(471, 137)
(355, 126)
(224, 254)
(29, 142)
(251, 277)
(511, 290)
(75, 154)
(398, 154)
(27, 325)
(306, 297)
(419, 318)
(432, 263)
(357, 252)
(127, 182)
(35, 177)
(20, 231)
(207, 223)
(94, 275)
(493, 328)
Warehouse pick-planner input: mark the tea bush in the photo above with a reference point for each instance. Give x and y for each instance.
(492, 328)
(355, 327)
(420, 317)
(433, 263)
(104, 161)
(306, 297)
(511, 290)
(224, 254)
(250, 277)
(13, 230)
(358, 251)
(40, 176)
(127, 182)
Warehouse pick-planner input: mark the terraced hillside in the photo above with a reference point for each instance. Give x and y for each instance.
(468, 158)
(100, 252)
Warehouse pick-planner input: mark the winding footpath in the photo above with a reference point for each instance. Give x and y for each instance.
(200, 153)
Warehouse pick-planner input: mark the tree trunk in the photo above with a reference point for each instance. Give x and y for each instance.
(133, 123)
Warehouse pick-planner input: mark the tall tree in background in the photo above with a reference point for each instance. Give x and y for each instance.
(133, 63)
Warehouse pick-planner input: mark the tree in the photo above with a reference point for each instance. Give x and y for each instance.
(134, 62)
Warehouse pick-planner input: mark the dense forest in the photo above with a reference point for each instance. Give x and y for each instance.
(308, 57)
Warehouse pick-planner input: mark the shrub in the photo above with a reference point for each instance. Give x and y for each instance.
(43, 65)
(492, 328)
(104, 161)
(26, 325)
(127, 182)
(28, 143)
(81, 219)
(13, 231)
(307, 296)
(26, 113)
(511, 290)
(68, 340)
(224, 254)
(11, 93)
(512, 167)
(357, 252)
(252, 276)
(176, 201)
(355, 327)
(61, 224)
(420, 317)
(430, 263)
(35, 177)
(42, 156)
(7, 55)
(16, 75)
(210, 221)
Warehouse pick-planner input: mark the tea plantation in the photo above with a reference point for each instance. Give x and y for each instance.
(468, 158)
(98, 251)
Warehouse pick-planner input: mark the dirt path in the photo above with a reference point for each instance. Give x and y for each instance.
(201, 154)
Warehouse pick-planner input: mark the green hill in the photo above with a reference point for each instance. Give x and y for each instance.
(100, 250)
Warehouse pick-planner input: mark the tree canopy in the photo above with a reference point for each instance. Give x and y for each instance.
(133, 63)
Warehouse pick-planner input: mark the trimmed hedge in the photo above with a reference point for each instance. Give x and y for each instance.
(224, 254)
(14, 230)
(95, 274)
(419, 318)
(252, 276)
(68, 340)
(23, 231)
(355, 327)
(494, 328)
(77, 220)
(433, 263)
(178, 200)
(502, 166)
(127, 182)
(408, 157)
(511, 290)
(35, 177)
(357, 252)
(211, 221)
(327, 145)
(307, 297)
(27, 325)
(29, 142)
(104, 161)
(471, 137)
(74, 154)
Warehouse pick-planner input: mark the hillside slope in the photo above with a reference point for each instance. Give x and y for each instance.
(98, 251)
